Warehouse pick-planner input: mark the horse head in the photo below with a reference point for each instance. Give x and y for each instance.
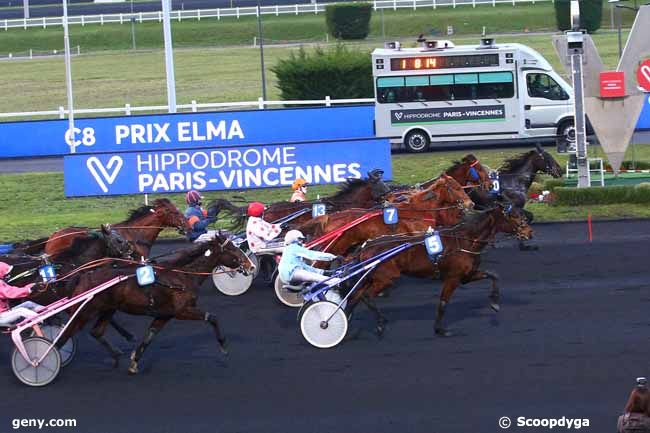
(226, 253)
(117, 246)
(545, 163)
(470, 172)
(168, 215)
(512, 220)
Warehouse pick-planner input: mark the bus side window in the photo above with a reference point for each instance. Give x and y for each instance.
(541, 85)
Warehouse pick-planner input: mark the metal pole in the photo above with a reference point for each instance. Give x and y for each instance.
(261, 37)
(68, 78)
(620, 24)
(383, 27)
(169, 56)
(132, 27)
(581, 134)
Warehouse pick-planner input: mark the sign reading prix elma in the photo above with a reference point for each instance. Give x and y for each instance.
(185, 131)
(240, 167)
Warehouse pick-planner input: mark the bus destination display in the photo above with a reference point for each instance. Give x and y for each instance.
(443, 62)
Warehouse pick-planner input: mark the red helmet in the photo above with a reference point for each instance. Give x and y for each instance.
(193, 197)
(256, 209)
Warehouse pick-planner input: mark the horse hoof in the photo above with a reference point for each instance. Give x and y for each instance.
(223, 347)
(133, 369)
(441, 332)
(495, 306)
(380, 331)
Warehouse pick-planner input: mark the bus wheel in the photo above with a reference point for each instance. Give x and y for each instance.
(417, 141)
(566, 136)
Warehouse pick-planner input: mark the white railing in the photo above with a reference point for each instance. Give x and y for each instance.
(238, 12)
(192, 107)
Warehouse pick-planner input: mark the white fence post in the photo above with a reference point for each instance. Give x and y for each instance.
(434, 4)
(494, 3)
(277, 10)
(82, 21)
(296, 9)
(101, 19)
(260, 103)
(374, 5)
(415, 7)
(179, 16)
(474, 3)
(315, 8)
(454, 4)
(328, 101)
(237, 12)
(121, 19)
(61, 112)
(159, 15)
(394, 5)
(31, 56)
(194, 107)
(218, 14)
(254, 41)
(25, 23)
(127, 109)
(198, 14)
(44, 25)
(6, 25)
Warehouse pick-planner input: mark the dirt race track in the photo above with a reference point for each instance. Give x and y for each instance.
(569, 341)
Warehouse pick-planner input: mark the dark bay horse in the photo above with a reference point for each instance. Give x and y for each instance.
(171, 296)
(442, 203)
(360, 193)
(459, 263)
(142, 228)
(515, 177)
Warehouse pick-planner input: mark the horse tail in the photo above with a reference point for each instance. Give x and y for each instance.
(35, 246)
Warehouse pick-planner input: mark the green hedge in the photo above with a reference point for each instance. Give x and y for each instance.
(603, 195)
(338, 72)
(348, 21)
(591, 14)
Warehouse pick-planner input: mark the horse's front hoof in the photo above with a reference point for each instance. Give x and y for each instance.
(495, 306)
(380, 331)
(442, 332)
(223, 347)
(133, 369)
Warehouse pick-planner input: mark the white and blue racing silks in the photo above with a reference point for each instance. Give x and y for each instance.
(292, 259)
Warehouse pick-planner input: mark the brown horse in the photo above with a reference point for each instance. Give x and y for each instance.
(458, 263)
(171, 296)
(441, 204)
(142, 228)
(363, 193)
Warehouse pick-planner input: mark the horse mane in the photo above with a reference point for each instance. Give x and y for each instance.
(144, 210)
(469, 158)
(350, 185)
(514, 163)
(187, 255)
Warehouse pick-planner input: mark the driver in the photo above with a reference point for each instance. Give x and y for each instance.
(261, 235)
(198, 218)
(293, 270)
(7, 292)
(299, 188)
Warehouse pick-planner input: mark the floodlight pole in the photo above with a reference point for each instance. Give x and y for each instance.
(70, 136)
(169, 56)
(132, 27)
(261, 38)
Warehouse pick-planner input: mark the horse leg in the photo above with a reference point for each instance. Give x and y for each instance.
(122, 331)
(98, 333)
(494, 292)
(448, 287)
(193, 313)
(381, 319)
(154, 328)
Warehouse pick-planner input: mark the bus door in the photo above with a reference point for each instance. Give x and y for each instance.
(545, 102)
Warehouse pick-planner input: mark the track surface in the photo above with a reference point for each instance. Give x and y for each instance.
(570, 339)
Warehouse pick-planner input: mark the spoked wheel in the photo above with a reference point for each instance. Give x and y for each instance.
(317, 330)
(43, 373)
(287, 297)
(69, 349)
(230, 281)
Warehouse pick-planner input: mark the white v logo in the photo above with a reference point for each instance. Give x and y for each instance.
(100, 173)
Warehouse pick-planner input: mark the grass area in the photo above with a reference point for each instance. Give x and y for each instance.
(113, 79)
(33, 205)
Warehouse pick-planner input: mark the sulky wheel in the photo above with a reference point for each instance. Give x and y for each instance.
(69, 349)
(45, 372)
(287, 297)
(231, 282)
(317, 330)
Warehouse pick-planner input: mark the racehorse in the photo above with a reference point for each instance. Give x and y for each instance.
(441, 204)
(142, 228)
(171, 296)
(363, 193)
(458, 263)
(468, 172)
(515, 177)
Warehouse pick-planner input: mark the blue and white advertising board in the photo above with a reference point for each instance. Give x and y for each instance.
(185, 130)
(223, 168)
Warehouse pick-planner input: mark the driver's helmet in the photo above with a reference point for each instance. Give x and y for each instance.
(193, 197)
(298, 183)
(256, 209)
(375, 174)
(293, 236)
